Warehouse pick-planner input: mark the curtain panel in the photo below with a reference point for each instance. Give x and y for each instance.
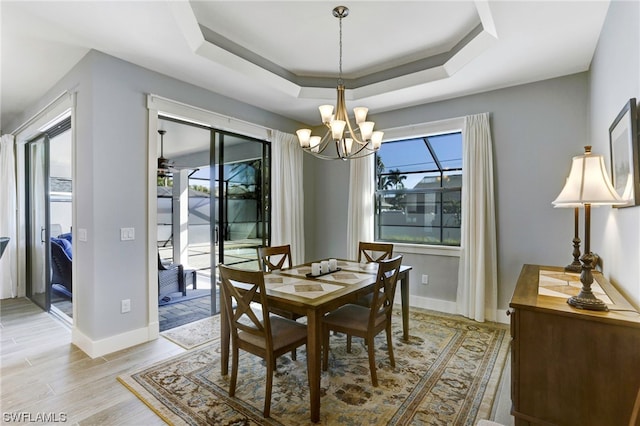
(477, 294)
(8, 224)
(361, 204)
(287, 195)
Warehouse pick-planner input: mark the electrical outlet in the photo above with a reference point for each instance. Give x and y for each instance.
(125, 306)
(425, 279)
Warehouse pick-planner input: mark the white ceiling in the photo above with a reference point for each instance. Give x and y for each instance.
(283, 56)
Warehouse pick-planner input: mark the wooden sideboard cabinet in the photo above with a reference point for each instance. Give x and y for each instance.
(571, 366)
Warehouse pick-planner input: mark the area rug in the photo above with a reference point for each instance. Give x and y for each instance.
(447, 374)
(196, 333)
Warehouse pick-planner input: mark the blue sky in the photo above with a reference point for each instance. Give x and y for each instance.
(413, 155)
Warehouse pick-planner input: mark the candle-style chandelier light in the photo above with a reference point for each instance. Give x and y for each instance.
(350, 142)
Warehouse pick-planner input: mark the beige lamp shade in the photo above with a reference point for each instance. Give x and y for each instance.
(588, 183)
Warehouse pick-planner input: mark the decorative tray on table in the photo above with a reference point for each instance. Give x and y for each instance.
(310, 275)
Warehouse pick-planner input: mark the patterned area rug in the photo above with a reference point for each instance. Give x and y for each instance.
(196, 333)
(447, 374)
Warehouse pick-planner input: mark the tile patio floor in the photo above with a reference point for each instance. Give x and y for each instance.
(177, 314)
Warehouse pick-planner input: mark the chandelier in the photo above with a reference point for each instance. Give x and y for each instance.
(349, 141)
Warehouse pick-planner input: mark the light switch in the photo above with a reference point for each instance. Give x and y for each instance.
(127, 234)
(82, 234)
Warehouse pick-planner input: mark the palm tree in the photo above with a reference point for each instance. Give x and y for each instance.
(395, 179)
(383, 180)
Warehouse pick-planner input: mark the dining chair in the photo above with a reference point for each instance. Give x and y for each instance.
(273, 258)
(360, 321)
(257, 332)
(276, 258)
(374, 252)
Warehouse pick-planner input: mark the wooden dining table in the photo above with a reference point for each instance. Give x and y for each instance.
(293, 291)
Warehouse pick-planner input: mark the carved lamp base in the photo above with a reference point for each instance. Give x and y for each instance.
(573, 267)
(591, 304)
(585, 299)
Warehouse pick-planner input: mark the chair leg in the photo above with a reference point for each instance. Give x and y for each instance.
(325, 348)
(390, 345)
(348, 343)
(294, 354)
(372, 362)
(267, 392)
(234, 373)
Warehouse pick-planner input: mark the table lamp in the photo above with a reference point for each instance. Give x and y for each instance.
(575, 265)
(588, 184)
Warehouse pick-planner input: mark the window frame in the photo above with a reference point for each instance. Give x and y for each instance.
(434, 128)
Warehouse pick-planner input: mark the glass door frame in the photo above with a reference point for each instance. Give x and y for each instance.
(219, 209)
(44, 233)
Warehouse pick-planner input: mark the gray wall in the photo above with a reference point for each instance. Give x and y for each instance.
(536, 129)
(614, 79)
(326, 197)
(111, 178)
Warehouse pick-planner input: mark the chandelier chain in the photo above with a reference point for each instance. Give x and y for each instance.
(340, 80)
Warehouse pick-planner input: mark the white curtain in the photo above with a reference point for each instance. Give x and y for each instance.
(287, 196)
(477, 277)
(361, 205)
(8, 262)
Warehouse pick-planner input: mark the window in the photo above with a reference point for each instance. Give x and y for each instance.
(418, 190)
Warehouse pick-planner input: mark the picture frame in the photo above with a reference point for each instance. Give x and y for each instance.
(625, 154)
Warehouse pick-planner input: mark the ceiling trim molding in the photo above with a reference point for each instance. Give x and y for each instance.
(424, 129)
(212, 46)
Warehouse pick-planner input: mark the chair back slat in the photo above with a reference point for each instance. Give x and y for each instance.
(385, 288)
(274, 258)
(374, 252)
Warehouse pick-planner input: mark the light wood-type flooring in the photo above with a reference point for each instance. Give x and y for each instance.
(42, 373)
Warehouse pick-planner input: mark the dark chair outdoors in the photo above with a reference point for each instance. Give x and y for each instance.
(258, 332)
(170, 279)
(61, 266)
(360, 321)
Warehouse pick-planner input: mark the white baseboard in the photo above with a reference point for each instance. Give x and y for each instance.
(445, 306)
(97, 348)
(501, 316)
(439, 305)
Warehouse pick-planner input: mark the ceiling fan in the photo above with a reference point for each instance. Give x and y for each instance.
(165, 166)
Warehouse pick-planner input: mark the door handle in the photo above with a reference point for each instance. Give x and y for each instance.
(42, 234)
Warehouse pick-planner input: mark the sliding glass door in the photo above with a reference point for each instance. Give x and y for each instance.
(242, 197)
(213, 199)
(49, 216)
(38, 212)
